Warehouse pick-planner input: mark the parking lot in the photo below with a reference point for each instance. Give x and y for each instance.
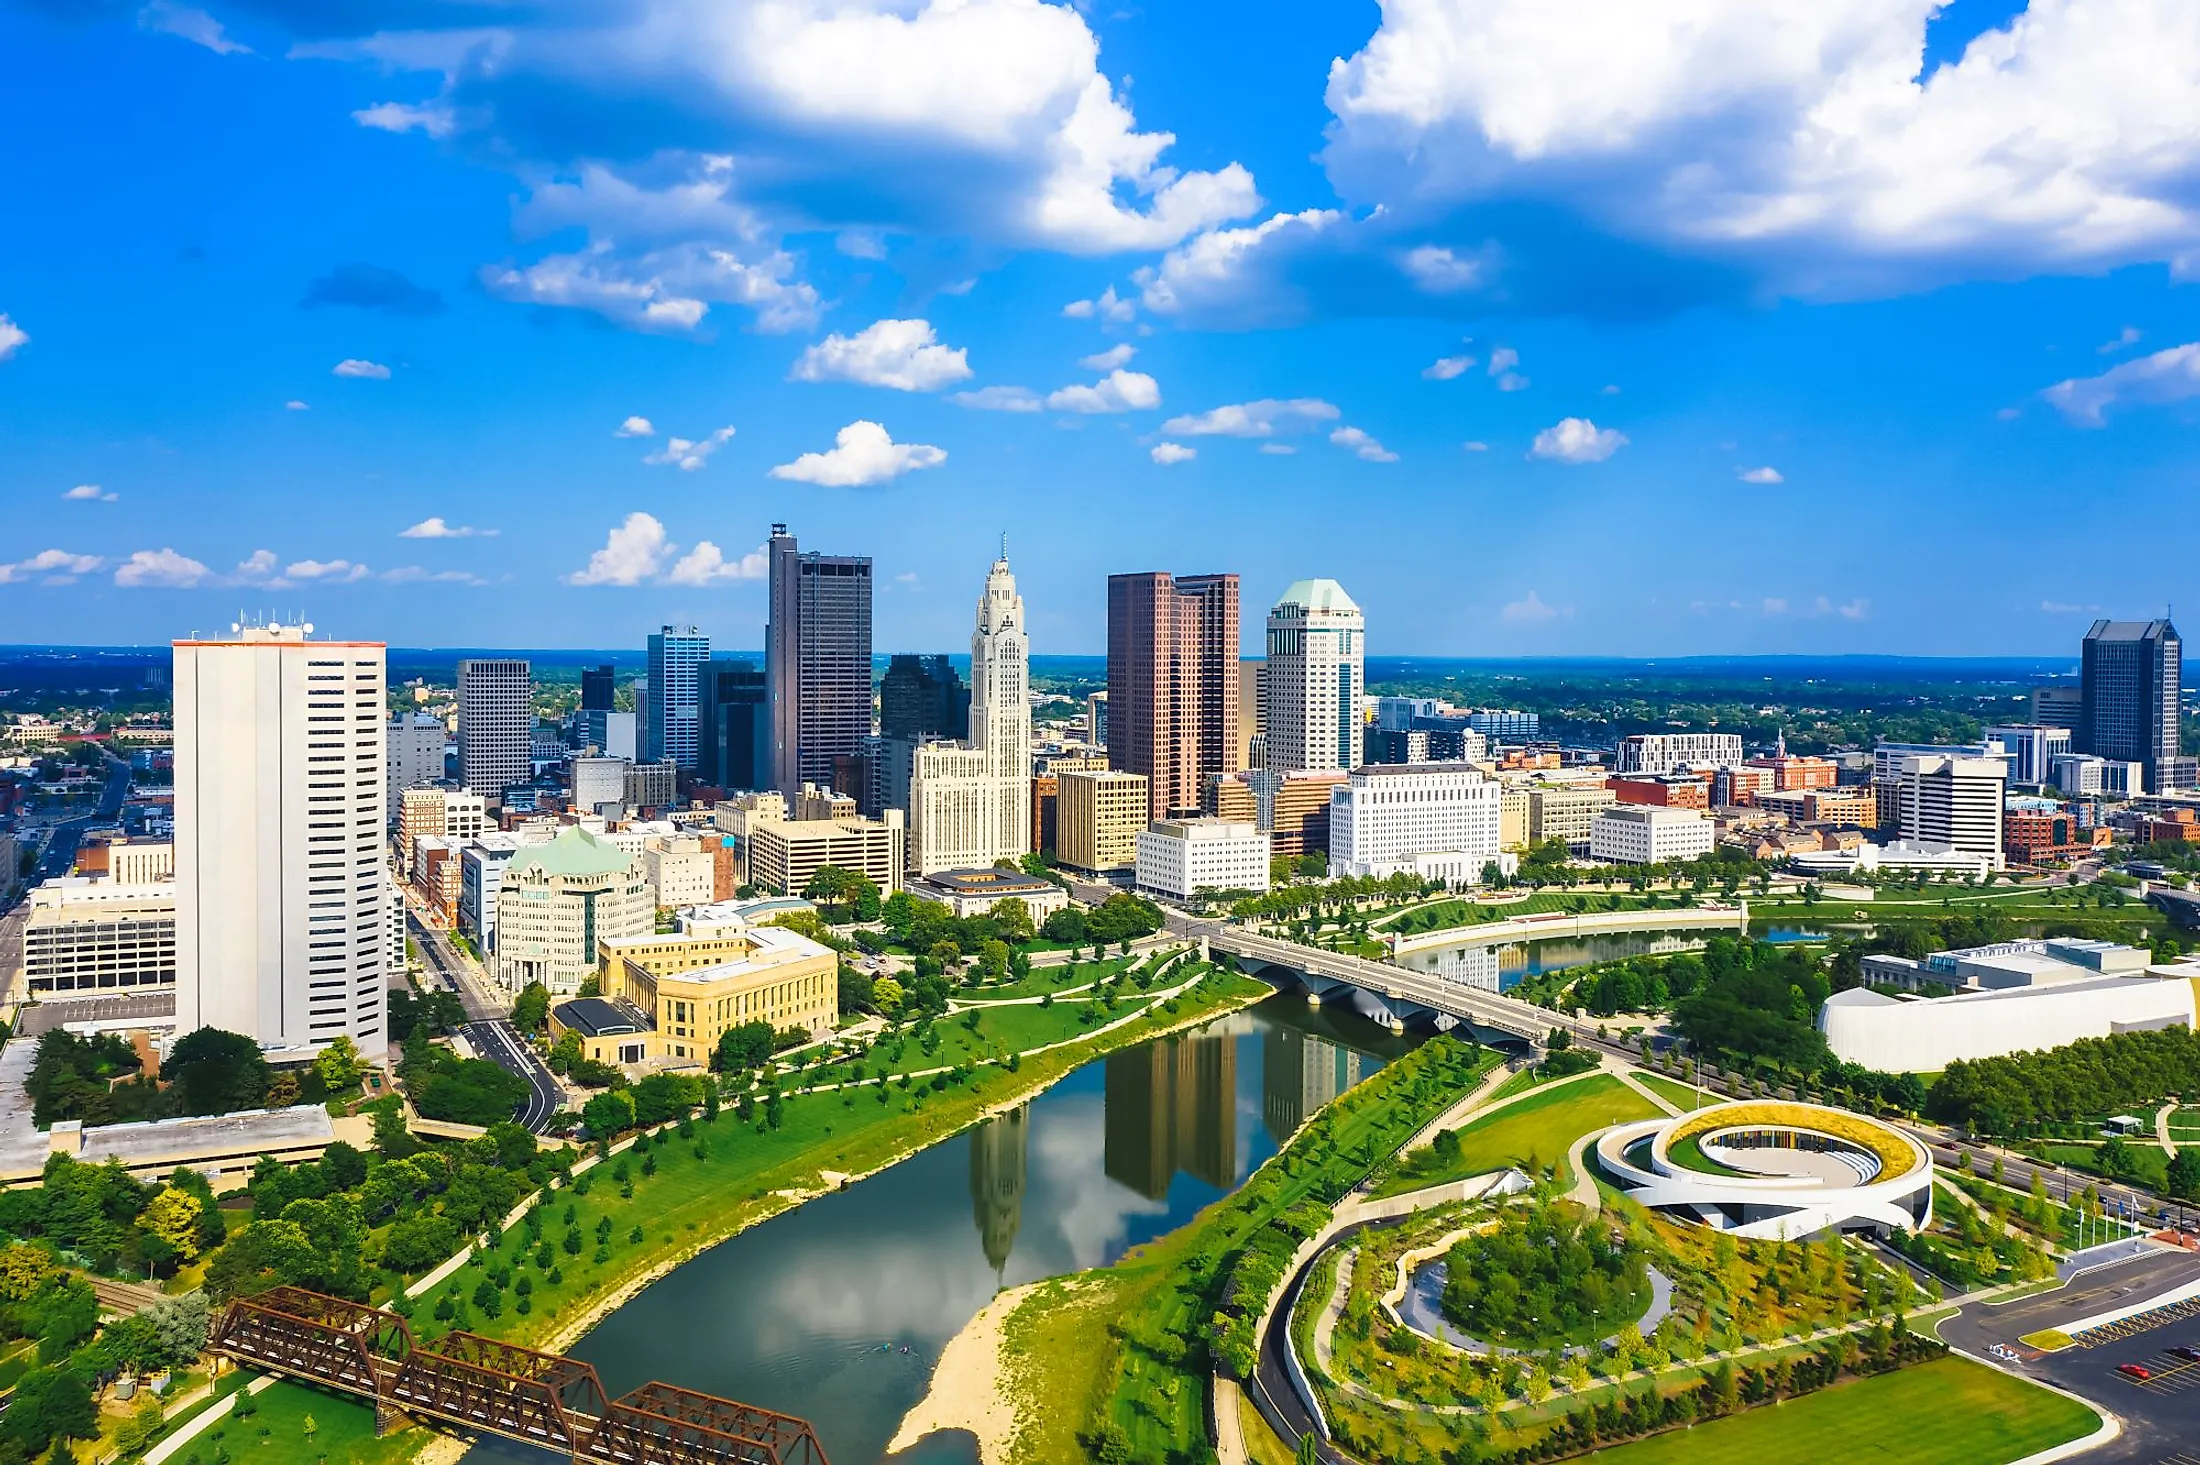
(2161, 1413)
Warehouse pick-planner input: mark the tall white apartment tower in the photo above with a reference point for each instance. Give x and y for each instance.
(280, 892)
(496, 724)
(970, 803)
(1315, 677)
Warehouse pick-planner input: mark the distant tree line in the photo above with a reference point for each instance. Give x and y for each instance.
(2019, 1093)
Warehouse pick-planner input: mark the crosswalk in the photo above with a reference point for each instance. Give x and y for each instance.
(2182, 1457)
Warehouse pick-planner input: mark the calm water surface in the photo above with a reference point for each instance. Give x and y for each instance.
(810, 1313)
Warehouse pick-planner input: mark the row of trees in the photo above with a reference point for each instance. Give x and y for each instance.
(98, 1212)
(2018, 1093)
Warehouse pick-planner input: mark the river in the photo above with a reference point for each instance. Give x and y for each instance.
(793, 1315)
(810, 1312)
(1501, 966)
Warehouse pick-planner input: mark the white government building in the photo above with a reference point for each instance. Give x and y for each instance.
(1436, 820)
(1314, 680)
(970, 802)
(1181, 857)
(280, 819)
(558, 900)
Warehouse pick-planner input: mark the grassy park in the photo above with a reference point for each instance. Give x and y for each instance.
(1533, 1133)
(651, 1207)
(1680, 1095)
(1948, 1412)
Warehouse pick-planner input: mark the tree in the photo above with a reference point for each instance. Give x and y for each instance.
(2184, 1173)
(216, 1072)
(608, 1113)
(50, 1404)
(340, 1066)
(1066, 925)
(993, 958)
(1014, 918)
(742, 1047)
(174, 1218)
(887, 994)
(469, 1091)
(531, 1009)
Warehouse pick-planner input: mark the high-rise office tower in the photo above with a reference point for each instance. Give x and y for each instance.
(736, 738)
(2131, 674)
(496, 723)
(817, 657)
(1314, 679)
(599, 688)
(676, 657)
(970, 802)
(1173, 682)
(921, 697)
(279, 830)
(1252, 737)
(414, 754)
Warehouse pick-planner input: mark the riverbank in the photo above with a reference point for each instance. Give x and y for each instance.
(696, 1190)
(1542, 927)
(1116, 1358)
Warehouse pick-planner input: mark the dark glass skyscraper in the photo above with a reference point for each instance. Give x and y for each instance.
(817, 660)
(736, 742)
(921, 697)
(2130, 674)
(599, 688)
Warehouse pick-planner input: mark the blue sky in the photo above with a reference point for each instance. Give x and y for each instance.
(1498, 311)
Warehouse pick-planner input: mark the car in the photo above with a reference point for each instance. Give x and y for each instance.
(2190, 1355)
(2137, 1371)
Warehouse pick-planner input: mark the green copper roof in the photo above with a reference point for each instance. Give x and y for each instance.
(1317, 595)
(574, 852)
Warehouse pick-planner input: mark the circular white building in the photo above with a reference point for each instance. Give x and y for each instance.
(1774, 1170)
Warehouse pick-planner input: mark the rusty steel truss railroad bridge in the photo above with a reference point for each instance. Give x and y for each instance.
(478, 1384)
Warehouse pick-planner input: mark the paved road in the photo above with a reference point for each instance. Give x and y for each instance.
(61, 848)
(487, 1028)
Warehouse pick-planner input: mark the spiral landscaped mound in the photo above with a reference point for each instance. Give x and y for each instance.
(1767, 1168)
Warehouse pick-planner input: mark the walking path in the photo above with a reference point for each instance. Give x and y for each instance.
(2161, 1129)
(1627, 1077)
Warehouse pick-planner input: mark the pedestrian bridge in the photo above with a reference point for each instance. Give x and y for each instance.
(1389, 994)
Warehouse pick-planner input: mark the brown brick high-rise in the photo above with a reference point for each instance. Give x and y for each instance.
(1173, 682)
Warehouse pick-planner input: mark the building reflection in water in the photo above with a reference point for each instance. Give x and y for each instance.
(1300, 1073)
(997, 1181)
(1171, 1106)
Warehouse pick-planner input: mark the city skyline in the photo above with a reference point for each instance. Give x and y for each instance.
(473, 373)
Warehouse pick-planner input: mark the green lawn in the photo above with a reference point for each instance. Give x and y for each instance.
(343, 1432)
(693, 1201)
(1000, 1031)
(2149, 1165)
(1948, 1412)
(1045, 979)
(1682, 1096)
(1537, 1131)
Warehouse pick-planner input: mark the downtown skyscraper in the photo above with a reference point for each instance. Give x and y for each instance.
(970, 802)
(817, 659)
(1173, 682)
(280, 891)
(2130, 676)
(676, 657)
(496, 724)
(1314, 680)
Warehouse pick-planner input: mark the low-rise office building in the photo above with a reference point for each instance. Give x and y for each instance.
(1290, 806)
(1640, 834)
(97, 938)
(682, 871)
(1654, 753)
(1181, 857)
(693, 985)
(1662, 790)
(782, 854)
(1564, 812)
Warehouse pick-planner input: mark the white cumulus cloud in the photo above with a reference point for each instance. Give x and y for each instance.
(1118, 391)
(862, 453)
(431, 119)
(999, 399)
(254, 567)
(1766, 474)
(1263, 418)
(632, 553)
(1577, 440)
(688, 455)
(1445, 368)
(1108, 307)
(2166, 376)
(905, 355)
(667, 291)
(1117, 355)
(2127, 337)
(635, 427)
(294, 405)
(1278, 450)
(91, 493)
(192, 24)
(53, 566)
(12, 337)
(334, 572)
(352, 366)
(1167, 454)
(160, 569)
(435, 528)
(1362, 445)
(706, 564)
